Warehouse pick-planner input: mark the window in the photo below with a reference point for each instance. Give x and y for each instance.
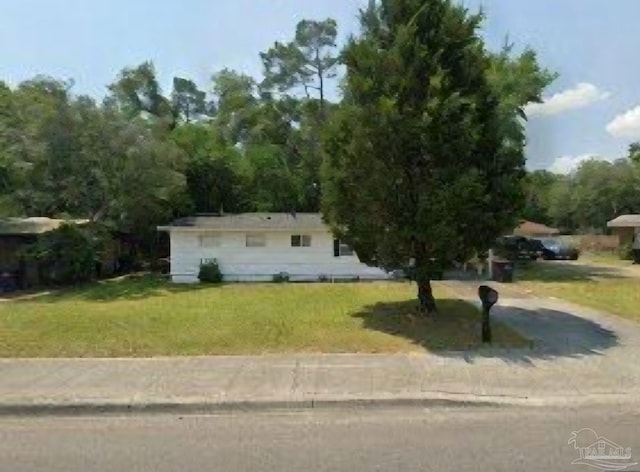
(300, 240)
(345, 250)
(342, 249)
(256, 240)
(209, 240)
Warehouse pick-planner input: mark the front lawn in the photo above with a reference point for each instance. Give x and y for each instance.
(146, 316)
(594, 286)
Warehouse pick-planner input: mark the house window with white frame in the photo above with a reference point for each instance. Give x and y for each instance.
(300, 240)
(209, 240)
(256, 240)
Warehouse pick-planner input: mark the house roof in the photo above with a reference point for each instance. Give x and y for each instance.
(251, 221)
(31, 226)
(529, 228)
(625, 221)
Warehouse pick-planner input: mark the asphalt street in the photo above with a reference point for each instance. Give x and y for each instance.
(366, 439)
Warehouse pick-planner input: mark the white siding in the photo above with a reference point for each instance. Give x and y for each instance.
(241, 263)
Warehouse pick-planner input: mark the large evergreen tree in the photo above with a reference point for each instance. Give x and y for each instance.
(424, 160)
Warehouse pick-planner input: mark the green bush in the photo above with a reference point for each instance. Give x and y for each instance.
(281, 278)
(67, 255)
(625, 252)
(210, 273)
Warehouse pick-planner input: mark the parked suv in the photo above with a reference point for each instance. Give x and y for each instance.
(554, 248)
(518, 248)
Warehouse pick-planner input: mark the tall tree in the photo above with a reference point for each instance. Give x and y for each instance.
(11, 158)
(236, 102)
(138, 93)
(562, 204)
(421, 165)
(307, 62)
(188, 101)
(537, 187)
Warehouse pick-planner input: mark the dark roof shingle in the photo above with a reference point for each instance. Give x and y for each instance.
(252, 221)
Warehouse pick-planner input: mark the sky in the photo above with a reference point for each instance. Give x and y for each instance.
(592, 109)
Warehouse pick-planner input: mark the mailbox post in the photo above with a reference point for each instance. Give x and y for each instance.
(488, 297)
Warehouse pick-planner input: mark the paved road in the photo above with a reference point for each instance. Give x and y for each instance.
(508, 439)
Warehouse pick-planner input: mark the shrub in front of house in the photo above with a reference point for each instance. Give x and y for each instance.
(625, 252)
(210, 273)
(281, 278)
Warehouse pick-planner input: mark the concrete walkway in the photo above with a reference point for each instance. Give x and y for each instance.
(578, 356)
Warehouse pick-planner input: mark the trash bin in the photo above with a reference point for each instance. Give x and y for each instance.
(502, 271)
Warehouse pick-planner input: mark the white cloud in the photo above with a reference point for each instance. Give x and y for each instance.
(580, 96)
(626, 125)
(567, 164)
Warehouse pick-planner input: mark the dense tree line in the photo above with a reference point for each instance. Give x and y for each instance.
(586, 199)
(143, 155)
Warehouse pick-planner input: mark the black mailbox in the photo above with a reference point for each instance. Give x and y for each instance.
(489, 297)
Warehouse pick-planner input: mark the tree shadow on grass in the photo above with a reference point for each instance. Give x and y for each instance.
(130, 287)
(520, 336)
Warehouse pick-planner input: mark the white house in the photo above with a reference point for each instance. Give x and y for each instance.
(254, 247)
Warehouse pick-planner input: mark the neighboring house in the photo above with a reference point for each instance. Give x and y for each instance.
(535, 230)
(255, 247)
(626, 227)
(16, 234)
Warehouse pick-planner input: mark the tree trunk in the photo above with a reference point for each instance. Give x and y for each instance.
(425, 296)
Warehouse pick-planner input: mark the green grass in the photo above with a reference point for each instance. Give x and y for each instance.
(147, 317)
(592, 286)
(618, 297)
(607, 258)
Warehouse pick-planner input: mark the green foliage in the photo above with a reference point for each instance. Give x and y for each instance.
(625, 252)
(137, 92)
(401, 180)
(210, 273)
(214, 184)
(281, 278)
(67, 255)
(594, 194)
(188, 101)
(308, 61)
(538, 186)
(269, 179)
(634, 153)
